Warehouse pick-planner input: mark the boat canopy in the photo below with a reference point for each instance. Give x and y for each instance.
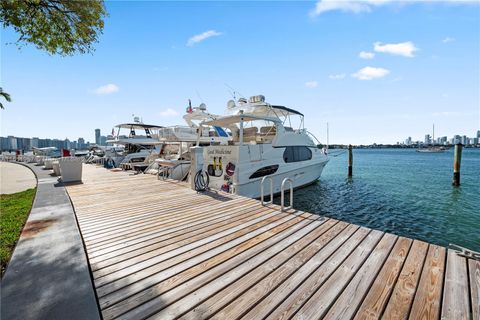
(135, 141)
(286, 111)
(256, 105)
(137, 126)
(227, 121)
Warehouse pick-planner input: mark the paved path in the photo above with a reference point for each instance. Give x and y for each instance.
(48, 276)
(15, 178)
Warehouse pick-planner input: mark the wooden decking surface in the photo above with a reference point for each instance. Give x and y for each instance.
(159, 250)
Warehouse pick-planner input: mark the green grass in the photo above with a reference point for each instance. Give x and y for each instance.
(14, 210)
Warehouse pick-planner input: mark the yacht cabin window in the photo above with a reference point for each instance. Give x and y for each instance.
(296, 154)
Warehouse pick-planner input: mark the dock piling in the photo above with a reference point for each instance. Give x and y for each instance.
(350, 160)
(457, 160)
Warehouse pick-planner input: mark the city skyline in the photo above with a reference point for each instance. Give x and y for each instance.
(7, 144)
(332, 63)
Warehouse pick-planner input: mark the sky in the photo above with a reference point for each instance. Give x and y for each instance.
(375, 70)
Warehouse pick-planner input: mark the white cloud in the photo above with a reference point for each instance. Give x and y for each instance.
(366, 55)
(346, 6)
(168, 113)
(448, 39)
(369, 73)
(360, 6)
(107, 89)
(311, 84)
(406, 49)
(203, 36)
(339, 76)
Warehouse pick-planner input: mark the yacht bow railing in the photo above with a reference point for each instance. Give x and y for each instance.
(313, 136)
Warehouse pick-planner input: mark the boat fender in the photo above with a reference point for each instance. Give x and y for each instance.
(109, 163)
(230, 169)
(225, 188)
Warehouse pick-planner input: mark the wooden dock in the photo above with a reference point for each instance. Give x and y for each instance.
(159, 250)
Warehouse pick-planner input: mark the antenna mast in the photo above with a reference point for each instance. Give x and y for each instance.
(327, 136)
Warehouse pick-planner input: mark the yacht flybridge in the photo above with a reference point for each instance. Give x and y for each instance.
(263, 143)
(136, 146)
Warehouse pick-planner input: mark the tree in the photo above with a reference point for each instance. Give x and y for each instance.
(63, 27)
(6, 96)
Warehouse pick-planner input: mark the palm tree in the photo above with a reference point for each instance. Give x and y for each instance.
(6, 96)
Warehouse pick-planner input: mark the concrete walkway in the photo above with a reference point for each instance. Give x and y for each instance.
(48, 276)
(15, 178)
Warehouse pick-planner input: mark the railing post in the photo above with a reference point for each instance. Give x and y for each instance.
(271, 190)
(282, 196)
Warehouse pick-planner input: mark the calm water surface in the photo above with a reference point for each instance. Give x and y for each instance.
(403, 192)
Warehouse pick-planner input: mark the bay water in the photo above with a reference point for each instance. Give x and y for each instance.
(401, 191)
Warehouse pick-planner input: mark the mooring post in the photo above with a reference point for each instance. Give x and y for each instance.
(350, 160)
(457, 160)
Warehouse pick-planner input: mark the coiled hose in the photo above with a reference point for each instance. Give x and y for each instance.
(201, 181)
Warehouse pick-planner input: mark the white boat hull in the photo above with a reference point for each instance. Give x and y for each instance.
(301, 177)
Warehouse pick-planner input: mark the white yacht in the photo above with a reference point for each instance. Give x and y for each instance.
(134, 147)
(263, 144)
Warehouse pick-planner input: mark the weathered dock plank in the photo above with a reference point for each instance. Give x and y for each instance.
(159, 250)
(379, 293)
(474, 268)
(426, 304)
(402, 296)
(456, 304)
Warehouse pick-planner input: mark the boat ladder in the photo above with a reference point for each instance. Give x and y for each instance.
(271, 190)
(282, 193)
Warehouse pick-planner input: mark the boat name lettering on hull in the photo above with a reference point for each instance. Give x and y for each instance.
(220, 152)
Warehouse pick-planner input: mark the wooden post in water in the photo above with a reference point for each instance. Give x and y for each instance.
(457, 160)
(350, 160)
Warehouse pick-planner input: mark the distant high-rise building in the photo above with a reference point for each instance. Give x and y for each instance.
(478, 134)
(408, 141)
(4, 144)
(12, 143)
(427, 139)
(456, 139)
(34, 142)
(81, 143)
(103, 140)
(97, 136)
